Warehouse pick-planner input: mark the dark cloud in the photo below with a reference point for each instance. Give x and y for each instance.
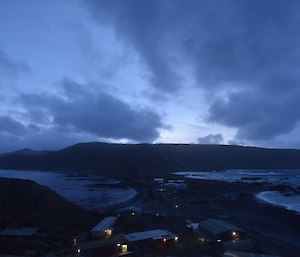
(41, 139)
(11, 126)
(86, 110)
(246, 50)
(140, 25)
(211, 139)
(10, 68)
(257, 116)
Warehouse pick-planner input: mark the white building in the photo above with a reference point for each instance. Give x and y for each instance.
(104, 227)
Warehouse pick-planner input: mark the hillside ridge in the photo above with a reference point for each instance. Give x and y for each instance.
(148, 157)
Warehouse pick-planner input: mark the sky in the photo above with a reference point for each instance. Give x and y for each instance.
(149, 71)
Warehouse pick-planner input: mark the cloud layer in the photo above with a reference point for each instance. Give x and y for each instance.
(140, 71)
(243, 54)
(79, 113)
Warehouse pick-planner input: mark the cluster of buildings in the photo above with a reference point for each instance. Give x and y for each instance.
(105, 243)
(166, 184)
(229, 240)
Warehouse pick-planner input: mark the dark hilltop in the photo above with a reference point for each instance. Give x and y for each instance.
(139, 158)
(24, 203)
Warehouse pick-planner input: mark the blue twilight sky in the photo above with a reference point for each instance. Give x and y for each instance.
(172, 71)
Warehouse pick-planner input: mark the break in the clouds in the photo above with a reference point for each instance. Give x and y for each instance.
(136, 68)
(211, 139)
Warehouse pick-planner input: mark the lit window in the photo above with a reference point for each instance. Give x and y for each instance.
(219, 240)
(124, 248)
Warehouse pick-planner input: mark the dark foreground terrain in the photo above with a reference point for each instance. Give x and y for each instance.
(272, 230)
(24, 203)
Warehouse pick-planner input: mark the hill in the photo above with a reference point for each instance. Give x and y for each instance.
(137, 158)
(24, 203)
(25, 151)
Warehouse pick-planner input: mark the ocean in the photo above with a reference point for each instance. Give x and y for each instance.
(269, 177)
(86, 191)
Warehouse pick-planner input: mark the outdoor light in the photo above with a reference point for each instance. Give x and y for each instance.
(78, 250)
(118, 245)
(156, 214)
(132, 214)
(176, 237)
(176, 206)
(233, 233)
(219, 240)
(165, 240)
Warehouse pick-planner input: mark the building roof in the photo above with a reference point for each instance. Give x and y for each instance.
(240, 245)
(130, 208)
(217, 226)
(202, 233)
(150, 234)
(244, 254)
(101, 243)
(170, 235)
(25, 231)
(171, 184)
(104, 224)
(193, 225)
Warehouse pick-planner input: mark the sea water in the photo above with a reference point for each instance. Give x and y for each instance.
(81, 190)
(270, 177)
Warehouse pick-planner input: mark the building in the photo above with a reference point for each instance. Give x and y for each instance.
(243, 254)
(129, 211)
(159, 180)
(217, 231)
(102, 247)
(133, 241)
(144, 239)
(80, 238)
(104, 227)
(244, 245)
(23, 233)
